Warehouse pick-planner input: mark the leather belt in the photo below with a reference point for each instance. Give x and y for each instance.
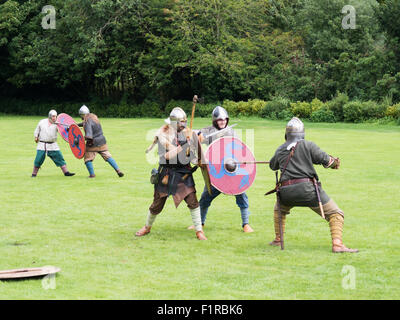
(295, 181)
(46, 142)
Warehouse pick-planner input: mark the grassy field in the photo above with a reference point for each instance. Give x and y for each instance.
(86, 226)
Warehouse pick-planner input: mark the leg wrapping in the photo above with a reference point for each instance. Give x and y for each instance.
(336, 222)
(276, 224)
(195, 213)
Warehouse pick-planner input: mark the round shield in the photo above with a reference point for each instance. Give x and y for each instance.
(27, 272)
(64, 121)
(231, 165)
(76, 141)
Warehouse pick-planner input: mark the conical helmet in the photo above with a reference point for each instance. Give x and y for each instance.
(294, 130)
(219, 113)
(177, 118)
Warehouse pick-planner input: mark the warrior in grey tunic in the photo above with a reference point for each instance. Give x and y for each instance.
(300, 166)
(296, 159)
(95, 142)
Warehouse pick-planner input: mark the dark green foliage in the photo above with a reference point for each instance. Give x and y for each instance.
(278, 108)
(125, 53)
(301, 109)
(336, 105)
(358, 111)
(274, 109)
(373, 110)
(352, 111)
(323, 115)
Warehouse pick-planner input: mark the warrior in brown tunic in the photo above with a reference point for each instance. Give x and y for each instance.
(299, 182)
(175, 178)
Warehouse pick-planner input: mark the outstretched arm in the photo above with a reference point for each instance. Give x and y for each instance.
(334, 163)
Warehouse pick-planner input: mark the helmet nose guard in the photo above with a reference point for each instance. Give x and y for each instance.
(219, 113)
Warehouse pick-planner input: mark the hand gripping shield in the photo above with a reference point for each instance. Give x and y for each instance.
(76, 141)
(200, 160)
(203, 166)
(231, 165)
(64, 121)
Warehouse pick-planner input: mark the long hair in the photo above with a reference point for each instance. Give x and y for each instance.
(91, 116)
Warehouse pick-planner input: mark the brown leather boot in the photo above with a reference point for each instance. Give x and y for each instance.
(142, 232)
(200, 235)
(339, 247)
(275, 243)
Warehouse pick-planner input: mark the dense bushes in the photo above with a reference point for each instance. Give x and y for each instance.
(323, 115)
(31, 107)
(336, 105)
(242, 108)
(357, 111)
(393, 111)
(203, 110)
(277, 108)
(338, 109)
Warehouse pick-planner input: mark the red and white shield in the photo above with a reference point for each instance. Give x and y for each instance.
(64, 121)
(76, 141)
(231, 165)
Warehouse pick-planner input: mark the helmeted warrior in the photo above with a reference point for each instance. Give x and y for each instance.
(46, 138)
(220, 120)
(219, 114)
(176, 149)
(95, 142)
(299, 185)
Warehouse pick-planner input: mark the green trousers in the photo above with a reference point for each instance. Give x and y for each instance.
(56, 156)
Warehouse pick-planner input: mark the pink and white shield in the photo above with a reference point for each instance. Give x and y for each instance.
(64, 121)
(231, 165)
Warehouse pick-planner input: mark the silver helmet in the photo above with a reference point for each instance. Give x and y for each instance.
(219, 113)
(83, 110)
(177, 118)
(294, 130)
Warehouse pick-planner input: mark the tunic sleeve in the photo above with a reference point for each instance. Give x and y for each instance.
(37, 130)
(88, 129)
(318, 156)
(274, 163)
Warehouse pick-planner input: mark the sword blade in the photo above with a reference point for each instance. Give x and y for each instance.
(220, 131)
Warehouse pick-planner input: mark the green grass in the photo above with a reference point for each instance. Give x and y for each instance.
(86, 226)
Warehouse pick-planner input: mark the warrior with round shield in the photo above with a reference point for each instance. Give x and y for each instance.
(46, 138)
(95, 142)
(299, 184)
(219, 129)
(176, 149)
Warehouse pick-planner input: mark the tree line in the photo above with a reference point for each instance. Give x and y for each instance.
(154, 51)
